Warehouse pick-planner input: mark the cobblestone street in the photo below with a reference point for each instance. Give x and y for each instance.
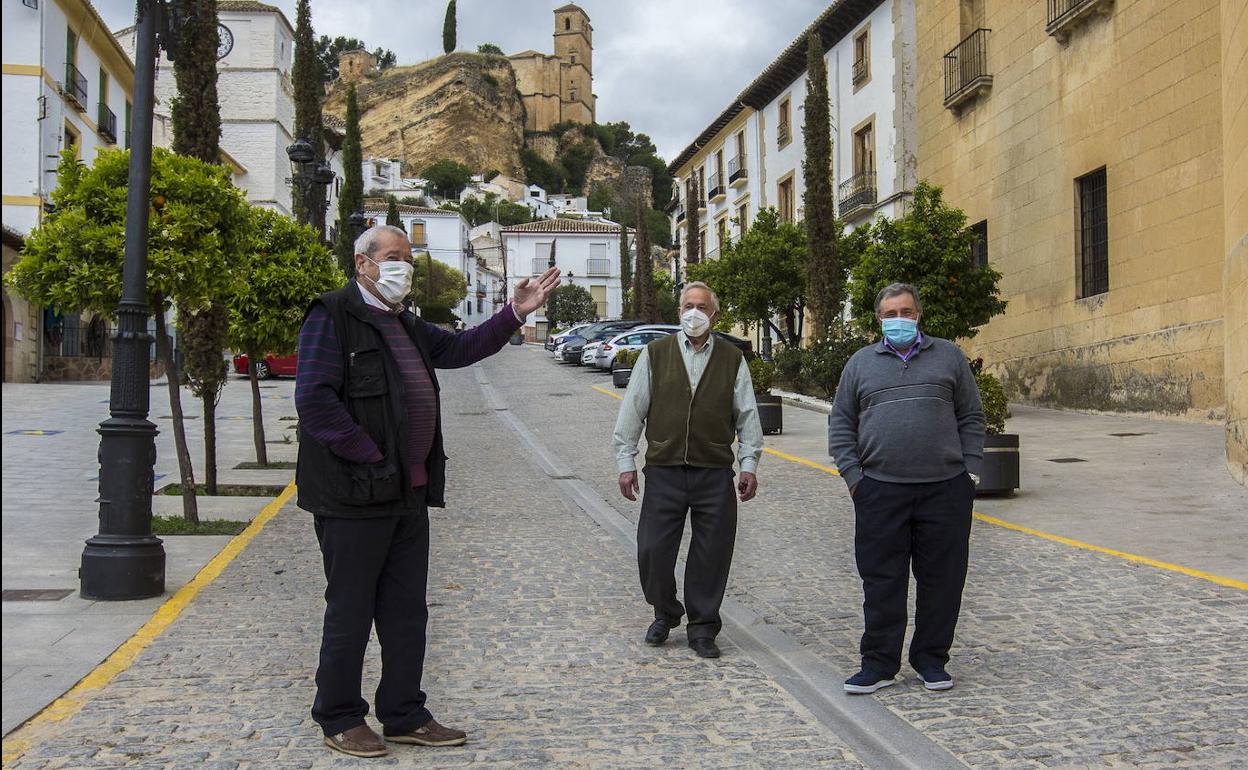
(1064, 658)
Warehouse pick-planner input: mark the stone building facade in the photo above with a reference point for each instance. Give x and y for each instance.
(1087, 139)
(560, 87)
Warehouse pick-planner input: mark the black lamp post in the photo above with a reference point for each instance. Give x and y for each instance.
(124, 560)
(306, 174)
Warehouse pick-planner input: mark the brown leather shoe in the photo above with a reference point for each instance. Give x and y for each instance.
(431, 734)
(359, 741)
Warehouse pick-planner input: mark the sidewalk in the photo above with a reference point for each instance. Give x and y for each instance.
(1156, 488)
(49, 490)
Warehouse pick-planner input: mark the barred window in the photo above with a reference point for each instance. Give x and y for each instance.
(1093, 234)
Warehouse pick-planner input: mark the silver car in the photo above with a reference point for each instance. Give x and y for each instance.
(633, 339)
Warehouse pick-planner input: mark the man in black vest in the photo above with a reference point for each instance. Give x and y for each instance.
(370, 465)
(694, 396)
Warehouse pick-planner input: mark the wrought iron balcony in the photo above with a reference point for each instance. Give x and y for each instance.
(716, 187)
(860, 70)
(107, 123)
(737, 172)
(597, 267)
(966, 70)
(1065, 15)
(680, 215)
(857, 193)
(75, 87)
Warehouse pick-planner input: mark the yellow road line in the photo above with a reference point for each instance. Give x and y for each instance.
(1212, 578)
(17, 743)
(606, 392)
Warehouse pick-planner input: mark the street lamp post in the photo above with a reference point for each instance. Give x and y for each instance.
(124, 560)
(306, 174)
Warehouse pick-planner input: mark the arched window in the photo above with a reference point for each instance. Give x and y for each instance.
(567, 23)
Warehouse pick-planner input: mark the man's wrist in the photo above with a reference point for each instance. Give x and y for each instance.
(516, 313)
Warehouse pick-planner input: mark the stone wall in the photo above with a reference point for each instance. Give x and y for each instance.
(21, 356)
(1235, 274)
(82, 368)
(462, 107)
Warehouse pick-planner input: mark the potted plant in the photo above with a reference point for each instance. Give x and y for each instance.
(1000, 471)
(770, 408)
(622, 367)
(517, 338)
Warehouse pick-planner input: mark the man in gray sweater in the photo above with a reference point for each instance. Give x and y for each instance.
(907, 434)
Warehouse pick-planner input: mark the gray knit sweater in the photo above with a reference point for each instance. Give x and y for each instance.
(907, 422)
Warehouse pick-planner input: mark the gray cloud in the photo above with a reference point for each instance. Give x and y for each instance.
(668, 67)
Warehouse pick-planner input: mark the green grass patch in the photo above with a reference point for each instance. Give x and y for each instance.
(280, 465)
(176, 525)
(228, 490)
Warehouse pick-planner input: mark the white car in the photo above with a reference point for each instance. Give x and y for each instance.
(589, 352)
(633, 339)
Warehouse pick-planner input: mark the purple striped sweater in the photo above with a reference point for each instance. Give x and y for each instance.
(319, 378)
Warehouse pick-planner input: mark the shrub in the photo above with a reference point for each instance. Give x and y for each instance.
(789, 371)
(625, 359)
(996, 407)
(826, 357)
(762, 375)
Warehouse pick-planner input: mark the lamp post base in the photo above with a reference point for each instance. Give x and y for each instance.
(120, 567)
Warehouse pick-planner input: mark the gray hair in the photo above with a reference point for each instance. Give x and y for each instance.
(704, 287)
(366, 244)
(896, 290)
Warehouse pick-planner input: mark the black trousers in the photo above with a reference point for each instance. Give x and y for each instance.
(926, 527)
(707, 495)
(377, 571)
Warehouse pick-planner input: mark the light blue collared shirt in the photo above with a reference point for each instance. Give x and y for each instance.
(630, 423)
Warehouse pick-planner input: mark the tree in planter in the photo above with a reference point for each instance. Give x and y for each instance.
(570, 304)
(448, 28)
(199, 226)
(929, 248)
(351, 197)
(202, 337)
(285, 269)
(761, 275)
(825, 295)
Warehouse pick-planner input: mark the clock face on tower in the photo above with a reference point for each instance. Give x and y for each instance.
(226, 43)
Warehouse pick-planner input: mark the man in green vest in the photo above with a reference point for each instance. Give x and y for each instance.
(693, 396)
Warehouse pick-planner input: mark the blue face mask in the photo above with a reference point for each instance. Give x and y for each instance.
(901, 332)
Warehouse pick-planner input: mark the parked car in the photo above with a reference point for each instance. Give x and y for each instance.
(745, 346)
(633, 339)
(271, 366)
(553, 340)
(591, 332)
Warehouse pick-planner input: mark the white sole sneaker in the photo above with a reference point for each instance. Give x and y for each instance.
(945, 685)
(867, 689)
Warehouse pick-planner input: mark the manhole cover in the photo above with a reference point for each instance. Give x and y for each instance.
(35, 594)
(1068, 460)
(1123, 435)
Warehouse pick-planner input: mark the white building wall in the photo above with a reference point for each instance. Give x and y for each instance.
(572, 254)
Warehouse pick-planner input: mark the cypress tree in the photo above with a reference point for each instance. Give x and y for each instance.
(195, 111)
(645, 299)
(826, 279)
(626, 274)
(448, 28)
(392, 212)
(351, 199)
(309, 94)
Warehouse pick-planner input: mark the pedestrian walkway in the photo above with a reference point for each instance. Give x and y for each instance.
(1065, 657)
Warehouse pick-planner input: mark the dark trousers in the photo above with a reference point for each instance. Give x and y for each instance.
(926, 527)
(377, 570)
(707, 495)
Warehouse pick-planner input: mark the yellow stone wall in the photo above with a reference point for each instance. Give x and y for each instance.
(1235, 278)
(1138, 92)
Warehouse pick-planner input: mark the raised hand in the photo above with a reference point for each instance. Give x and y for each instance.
(531, 293)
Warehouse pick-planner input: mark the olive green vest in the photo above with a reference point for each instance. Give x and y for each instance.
(687, 428)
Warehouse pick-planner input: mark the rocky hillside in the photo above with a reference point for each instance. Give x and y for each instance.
(462, 107)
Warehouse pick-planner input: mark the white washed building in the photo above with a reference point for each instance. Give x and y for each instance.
(750, 156)
(587, 252)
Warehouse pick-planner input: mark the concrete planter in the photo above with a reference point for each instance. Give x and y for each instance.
(620, 377)
(517, 339)
(770, 413)
(1000, 472)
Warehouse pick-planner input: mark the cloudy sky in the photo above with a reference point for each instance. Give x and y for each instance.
(668, 67)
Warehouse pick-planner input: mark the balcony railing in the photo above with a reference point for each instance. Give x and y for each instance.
(966, 70)
(107, 123)
(737, 171)
(680, 215)
(857, 193)
(715, 186)
(75, 87)
(860, 70)
(1065, 15)
(783, 134)
(598, 267)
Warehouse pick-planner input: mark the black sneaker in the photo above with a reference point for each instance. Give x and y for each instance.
(866, 682)
(936, 679)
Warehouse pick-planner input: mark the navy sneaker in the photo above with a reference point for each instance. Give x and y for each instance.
(936, 679)
(865, 682)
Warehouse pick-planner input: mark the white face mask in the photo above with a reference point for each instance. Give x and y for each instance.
(395, 280)
(694, 322)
